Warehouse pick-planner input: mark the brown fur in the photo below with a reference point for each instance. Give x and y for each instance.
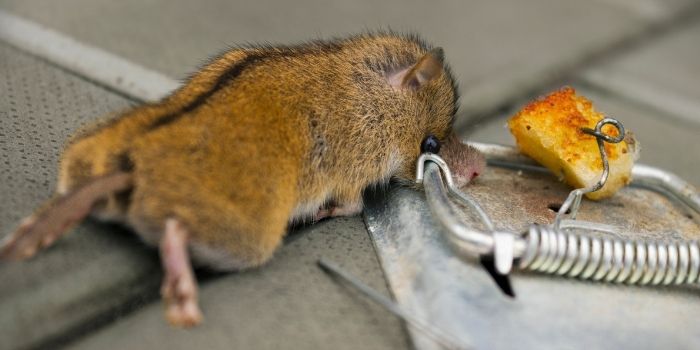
(286, 129)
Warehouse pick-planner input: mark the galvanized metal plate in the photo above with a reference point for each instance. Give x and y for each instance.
(458, 296)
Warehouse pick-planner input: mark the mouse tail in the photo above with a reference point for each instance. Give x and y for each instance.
(61, 213)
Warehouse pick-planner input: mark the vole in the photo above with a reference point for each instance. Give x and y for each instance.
(258, 138)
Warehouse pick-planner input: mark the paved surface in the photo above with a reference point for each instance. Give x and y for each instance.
(98, 287)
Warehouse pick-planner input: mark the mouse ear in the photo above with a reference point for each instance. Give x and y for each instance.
(426, 69)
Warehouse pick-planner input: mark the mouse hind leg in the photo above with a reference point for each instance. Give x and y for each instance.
(189, 231)
(179, 288)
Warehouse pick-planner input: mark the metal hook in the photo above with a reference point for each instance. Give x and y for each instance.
(573, 201)
(453, 190)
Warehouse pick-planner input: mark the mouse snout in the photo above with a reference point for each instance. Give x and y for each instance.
(463, 177)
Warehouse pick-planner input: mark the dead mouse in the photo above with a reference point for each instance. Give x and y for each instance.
(260, 137)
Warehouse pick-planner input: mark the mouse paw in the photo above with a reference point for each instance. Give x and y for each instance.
(323, 213)
(25, 241)
(331, 211)
(182, 309)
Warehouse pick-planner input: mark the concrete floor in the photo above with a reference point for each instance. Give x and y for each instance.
(638, 61)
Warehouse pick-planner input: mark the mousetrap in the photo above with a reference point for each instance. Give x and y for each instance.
(582, 267)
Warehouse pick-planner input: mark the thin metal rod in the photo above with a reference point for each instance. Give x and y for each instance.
(440, 337)
(474, 241)
(463, 197)
(667, 183)
(644, 176)
(573, 201)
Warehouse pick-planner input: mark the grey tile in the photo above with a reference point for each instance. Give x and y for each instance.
(652, 9)
(287, 304)
(498, 49)
(663, 74)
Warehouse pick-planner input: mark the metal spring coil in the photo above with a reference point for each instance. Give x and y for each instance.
(610, 259)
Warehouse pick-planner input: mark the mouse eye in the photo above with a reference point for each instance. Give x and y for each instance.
(430, 144)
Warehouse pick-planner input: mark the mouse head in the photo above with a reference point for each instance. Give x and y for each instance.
(428, 95)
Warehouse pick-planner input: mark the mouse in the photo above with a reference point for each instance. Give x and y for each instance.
(259, 138)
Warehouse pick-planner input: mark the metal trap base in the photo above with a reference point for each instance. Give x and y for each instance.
(458, 296)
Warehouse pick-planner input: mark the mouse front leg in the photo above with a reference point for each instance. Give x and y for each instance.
(334, 210)
(179, 289)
